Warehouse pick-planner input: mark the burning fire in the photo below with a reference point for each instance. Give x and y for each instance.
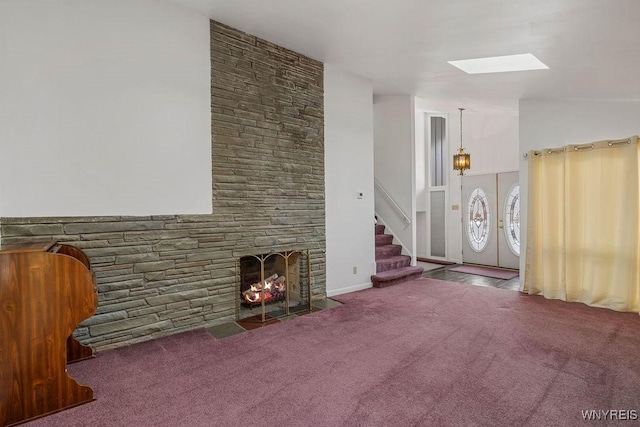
(273, 288)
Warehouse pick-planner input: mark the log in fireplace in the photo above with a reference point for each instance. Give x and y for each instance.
(278, 283)
(271, 289)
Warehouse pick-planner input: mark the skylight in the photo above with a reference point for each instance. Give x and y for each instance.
(500, 64)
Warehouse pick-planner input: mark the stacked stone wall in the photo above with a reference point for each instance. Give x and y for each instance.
(159, 275)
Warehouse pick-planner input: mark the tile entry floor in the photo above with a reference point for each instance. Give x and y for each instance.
(443, 273)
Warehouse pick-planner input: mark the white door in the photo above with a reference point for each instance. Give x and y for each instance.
(479, 243)
(508, 220)
(491, 219)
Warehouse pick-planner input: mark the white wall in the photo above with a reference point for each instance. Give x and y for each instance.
(394, 135)
(348, 130)
(104, 108)
(490, 136)
(556, 123)
(492, 140)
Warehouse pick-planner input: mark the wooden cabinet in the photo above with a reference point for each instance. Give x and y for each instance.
(46, 290)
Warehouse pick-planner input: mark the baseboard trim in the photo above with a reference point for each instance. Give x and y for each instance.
(348, 289)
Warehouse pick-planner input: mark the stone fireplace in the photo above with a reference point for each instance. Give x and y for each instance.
(163, 274)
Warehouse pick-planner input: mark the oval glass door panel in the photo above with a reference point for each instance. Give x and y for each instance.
(478, 221)
(512, 219)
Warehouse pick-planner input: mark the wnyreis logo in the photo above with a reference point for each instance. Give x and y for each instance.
(610, 414)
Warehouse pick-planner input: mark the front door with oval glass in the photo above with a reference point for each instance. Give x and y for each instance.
(491, 219)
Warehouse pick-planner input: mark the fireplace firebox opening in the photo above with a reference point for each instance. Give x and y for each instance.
(277, 283)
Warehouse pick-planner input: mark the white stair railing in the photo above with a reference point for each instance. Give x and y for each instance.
(396, 207)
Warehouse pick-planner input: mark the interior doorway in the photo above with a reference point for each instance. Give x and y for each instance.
(491, 219)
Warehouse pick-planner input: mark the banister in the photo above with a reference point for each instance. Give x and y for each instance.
(405, 217)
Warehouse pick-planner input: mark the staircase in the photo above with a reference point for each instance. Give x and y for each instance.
(391, 267)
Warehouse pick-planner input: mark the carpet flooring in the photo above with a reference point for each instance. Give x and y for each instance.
(496, 273)
(422, 353)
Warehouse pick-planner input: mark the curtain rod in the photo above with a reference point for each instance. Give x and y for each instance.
(548, 150)
(581, 147)
(621, 141)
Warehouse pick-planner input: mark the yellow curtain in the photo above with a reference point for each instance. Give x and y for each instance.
(583, 224)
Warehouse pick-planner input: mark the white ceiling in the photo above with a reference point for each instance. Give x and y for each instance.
(592, 47)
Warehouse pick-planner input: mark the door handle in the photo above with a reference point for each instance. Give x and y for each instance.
(501, 225)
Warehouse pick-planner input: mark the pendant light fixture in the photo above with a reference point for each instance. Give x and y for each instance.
(462, 160)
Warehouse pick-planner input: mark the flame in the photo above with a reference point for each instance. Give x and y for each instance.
(272, 288)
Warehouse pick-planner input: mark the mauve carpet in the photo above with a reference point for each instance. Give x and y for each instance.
(425, 352)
